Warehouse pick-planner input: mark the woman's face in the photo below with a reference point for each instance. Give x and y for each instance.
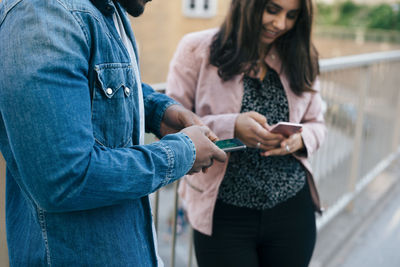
(279, 17)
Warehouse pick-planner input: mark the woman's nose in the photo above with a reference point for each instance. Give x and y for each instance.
(280, 22)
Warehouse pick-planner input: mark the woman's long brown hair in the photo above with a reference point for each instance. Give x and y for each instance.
(235, 47)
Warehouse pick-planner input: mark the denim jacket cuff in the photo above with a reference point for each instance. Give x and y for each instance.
(162, 102)
(181, 155)
(193, 147)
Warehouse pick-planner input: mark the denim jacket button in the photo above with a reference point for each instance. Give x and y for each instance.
(109, 91)
(127, 90)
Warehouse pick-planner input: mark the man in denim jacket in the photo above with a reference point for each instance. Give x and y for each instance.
(73, 115)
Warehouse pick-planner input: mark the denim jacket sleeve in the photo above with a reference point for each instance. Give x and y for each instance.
(46, 132)
(155, 105)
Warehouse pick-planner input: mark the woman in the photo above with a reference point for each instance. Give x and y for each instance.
(257, 69)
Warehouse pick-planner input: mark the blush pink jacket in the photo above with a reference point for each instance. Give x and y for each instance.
(195, 83)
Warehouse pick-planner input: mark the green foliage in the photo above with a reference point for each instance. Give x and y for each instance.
(382, 17)
(350, 14)
(348, 8)
(398, 19)
(325, 13)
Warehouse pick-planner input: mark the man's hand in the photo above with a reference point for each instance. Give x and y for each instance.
(206, 151)
(176, 117)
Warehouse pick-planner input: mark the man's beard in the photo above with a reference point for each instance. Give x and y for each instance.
(134, 7)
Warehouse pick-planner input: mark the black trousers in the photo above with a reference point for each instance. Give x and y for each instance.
(283, 236)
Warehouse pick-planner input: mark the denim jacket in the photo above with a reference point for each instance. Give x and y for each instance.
(77, 181)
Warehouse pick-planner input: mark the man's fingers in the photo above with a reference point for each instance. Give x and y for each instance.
(212, 136)
(218, 154)
(204, 169)
(197, 120)
(192, 119)
(206, 150)
(205, 130)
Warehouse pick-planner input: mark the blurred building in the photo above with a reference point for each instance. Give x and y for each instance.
(163, 24)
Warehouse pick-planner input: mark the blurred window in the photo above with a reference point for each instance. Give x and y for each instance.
(199, 8)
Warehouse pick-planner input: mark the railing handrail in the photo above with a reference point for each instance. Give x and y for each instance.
(360, 60)
(159, 87)
(330, 64)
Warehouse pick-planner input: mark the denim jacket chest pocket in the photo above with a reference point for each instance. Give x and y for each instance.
(113, 104)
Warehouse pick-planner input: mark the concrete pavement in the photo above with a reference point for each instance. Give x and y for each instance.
(377, 242)
(369, 234)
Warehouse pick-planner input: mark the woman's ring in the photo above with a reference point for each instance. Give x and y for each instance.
(258, 145)
(287, 147)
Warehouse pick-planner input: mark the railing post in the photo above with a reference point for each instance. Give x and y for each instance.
(174, 223)
(156, 204)
(3, 240)
(355, 161)
(396, 132)
(190, 261)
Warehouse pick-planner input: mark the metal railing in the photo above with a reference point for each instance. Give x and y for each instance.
(362, 100)
(359, 34)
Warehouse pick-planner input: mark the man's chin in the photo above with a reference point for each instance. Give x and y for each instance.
(136, 12)
(134, 8)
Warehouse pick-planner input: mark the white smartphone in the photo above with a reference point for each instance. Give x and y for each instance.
(230, 145)
(286, 128)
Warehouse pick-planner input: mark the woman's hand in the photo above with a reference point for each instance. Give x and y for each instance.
(287, 146)
(252, 129)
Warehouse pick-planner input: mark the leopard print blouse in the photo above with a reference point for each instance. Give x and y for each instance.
(254, 181)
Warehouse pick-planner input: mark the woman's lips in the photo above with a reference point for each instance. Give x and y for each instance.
(270, 34)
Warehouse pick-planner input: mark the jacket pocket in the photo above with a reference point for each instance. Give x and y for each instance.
(113, 105)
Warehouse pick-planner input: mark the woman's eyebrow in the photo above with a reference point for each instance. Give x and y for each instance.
(275, 5)
(279, 7)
